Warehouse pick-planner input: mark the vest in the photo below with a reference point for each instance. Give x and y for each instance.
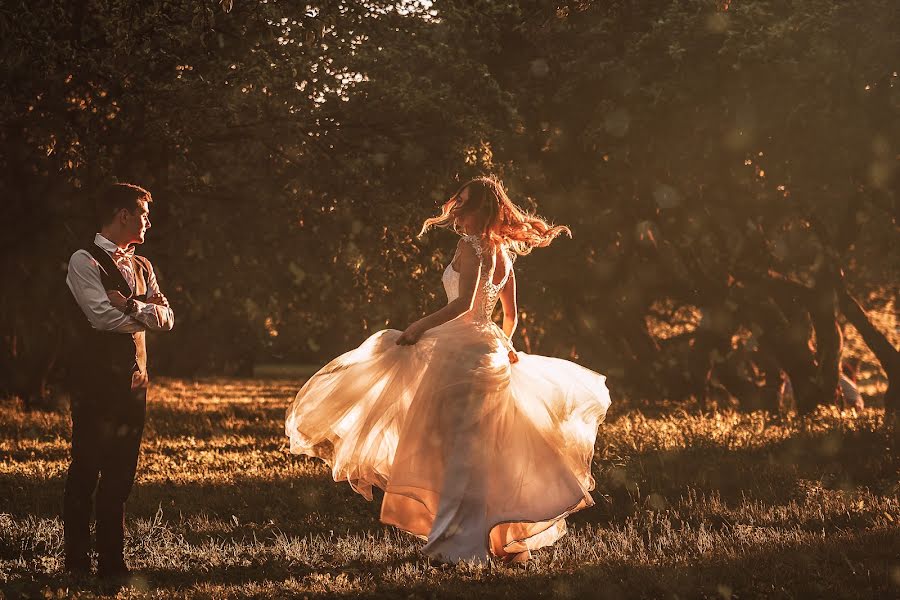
(104, 358)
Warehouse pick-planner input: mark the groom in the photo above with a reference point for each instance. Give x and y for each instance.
(118, 300)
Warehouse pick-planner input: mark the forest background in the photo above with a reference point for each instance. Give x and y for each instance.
(729, 171)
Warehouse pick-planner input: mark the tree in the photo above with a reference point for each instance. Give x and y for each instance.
(728, 169)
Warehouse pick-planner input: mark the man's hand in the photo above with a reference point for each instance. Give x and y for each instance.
(117, 299)
(513, 357)
(159, 300)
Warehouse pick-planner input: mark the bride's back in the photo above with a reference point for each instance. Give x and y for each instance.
(496, 268)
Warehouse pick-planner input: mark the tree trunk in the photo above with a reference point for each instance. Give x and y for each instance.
(645, 365)
(709, 350)
(822, 306)
(786, 336)
(884, 351)
(748, 393)
(770, 394)
(700, 366)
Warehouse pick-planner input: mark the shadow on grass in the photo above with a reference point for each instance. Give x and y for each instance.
(168, 420)
(263, 420)
(865, 564)
(775, 474)
(310, 505)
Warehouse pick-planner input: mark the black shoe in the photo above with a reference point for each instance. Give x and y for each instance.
(114, 579)
(79, 572)
(118, 570)
(78, 567)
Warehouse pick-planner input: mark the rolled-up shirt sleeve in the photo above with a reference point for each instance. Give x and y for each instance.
(154, 316)
(86, 286)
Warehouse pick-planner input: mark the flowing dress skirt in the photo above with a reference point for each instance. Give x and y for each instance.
(475, 455)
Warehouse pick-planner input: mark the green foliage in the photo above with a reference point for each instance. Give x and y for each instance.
(695, 148)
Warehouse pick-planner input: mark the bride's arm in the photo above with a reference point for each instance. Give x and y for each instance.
(510, 310)
(469, 272)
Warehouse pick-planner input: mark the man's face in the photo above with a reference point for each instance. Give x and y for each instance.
(137, 223)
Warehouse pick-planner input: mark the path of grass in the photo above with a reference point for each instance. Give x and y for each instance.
(690, 506)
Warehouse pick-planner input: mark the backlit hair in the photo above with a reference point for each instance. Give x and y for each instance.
(504, 222)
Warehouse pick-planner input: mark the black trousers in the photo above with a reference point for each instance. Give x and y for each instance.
(107, 425)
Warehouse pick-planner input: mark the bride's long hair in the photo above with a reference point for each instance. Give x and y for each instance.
(504, 222)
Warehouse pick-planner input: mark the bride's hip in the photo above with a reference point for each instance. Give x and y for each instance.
(481, 337)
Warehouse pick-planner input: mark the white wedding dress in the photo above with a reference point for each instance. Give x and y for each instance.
(476, 455)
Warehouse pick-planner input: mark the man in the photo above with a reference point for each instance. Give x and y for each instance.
(119, 300)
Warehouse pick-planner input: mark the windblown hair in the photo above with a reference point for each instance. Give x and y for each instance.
(118, 196)
(504, 222)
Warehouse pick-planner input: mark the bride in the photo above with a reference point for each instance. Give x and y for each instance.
(479, 450)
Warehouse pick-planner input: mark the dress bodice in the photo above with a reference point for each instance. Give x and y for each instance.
(487, 292)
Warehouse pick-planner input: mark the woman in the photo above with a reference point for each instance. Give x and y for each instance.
(479, 450)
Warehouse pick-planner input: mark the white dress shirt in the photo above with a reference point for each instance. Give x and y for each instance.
(84, 281)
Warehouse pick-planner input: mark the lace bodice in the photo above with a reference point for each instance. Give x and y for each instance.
(487, 292)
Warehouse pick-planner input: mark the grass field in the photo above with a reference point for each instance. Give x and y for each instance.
(727, 505)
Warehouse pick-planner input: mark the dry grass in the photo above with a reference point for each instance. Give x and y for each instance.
(688, 505)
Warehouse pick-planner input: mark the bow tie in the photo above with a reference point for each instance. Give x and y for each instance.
(120, 254)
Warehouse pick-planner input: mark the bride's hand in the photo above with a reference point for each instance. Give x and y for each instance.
(411, 335)
(513, 357)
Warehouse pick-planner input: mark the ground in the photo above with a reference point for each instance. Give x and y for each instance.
(688, 505)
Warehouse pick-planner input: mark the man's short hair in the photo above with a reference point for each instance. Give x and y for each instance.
(118, 196)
